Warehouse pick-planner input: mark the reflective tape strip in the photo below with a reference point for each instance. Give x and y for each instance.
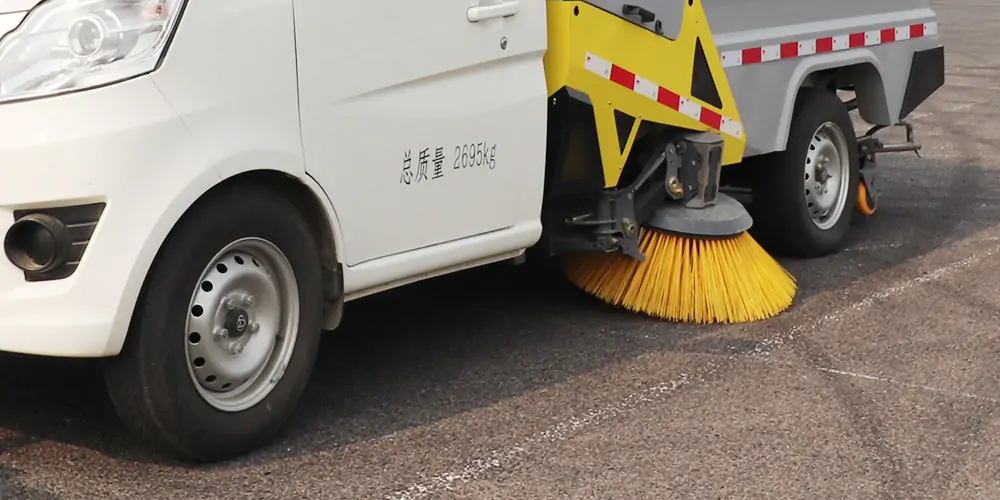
(833, 43)
(649, 89)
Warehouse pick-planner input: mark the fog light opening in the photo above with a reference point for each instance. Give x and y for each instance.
(37, 243)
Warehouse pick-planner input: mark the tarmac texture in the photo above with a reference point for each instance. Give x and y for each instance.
(881, 382)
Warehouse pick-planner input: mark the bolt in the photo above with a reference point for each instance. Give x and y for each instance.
(248, 300)
(675, 186)
(503, 43)
(221, 333)
(629, 227)
(254, 327)
(236, 349)
(229, 304)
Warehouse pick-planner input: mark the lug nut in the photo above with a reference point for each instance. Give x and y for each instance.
(254, 327)
(248, 300)
(229, 304)
(221, 333)
(237, 348)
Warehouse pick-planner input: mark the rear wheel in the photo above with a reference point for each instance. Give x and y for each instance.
(803, 197)
(225, 334)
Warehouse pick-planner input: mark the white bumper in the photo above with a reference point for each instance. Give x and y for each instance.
(148, 148)
(122, 145)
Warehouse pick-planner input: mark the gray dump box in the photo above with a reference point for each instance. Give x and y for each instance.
(886, 51)
(789, 64)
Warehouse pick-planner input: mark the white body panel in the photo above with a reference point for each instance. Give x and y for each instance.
(391, 107)
(148, 147)
(226, 101)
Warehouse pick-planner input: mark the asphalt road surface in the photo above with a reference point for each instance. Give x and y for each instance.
(881, 382)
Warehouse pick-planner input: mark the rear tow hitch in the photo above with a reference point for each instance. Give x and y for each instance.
(868, 147)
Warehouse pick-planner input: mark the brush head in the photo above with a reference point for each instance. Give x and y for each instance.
(727, 280)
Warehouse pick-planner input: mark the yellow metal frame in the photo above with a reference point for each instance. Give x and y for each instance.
(577, 29)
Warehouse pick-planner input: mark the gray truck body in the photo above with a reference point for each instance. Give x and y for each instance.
(861, 43)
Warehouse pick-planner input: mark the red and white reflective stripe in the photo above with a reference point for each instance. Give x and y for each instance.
(836, 43)
(662, 95)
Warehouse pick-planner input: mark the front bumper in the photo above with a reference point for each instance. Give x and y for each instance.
(123, 146)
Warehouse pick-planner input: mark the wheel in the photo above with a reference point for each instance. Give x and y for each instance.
(866, 202)
(803, 197)
(226, 330)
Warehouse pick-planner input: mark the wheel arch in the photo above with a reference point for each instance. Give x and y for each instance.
(859, 70)
(301, 190)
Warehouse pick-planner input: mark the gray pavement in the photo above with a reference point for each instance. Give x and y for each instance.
(881, 382)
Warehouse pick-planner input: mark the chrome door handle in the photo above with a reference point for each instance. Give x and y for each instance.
(506, 8)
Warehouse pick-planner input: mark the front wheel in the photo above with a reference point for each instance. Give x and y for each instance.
(803, 197)
(225, 333)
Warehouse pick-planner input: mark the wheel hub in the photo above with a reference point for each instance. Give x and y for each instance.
(237, 323)
(826, 176)
(247, 299)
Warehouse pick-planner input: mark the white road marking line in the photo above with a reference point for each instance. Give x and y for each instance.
(503, 457)
(767, 345)
(888, 246)
(887, 380)
(916, 115)
(873, 248)
(907, 384)
(510, 455)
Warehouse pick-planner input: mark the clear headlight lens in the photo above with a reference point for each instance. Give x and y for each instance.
(69, 45)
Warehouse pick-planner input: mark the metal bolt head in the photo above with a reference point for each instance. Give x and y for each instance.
(221, 333)
(675, 186)
(248, 300)
(229, 304)
(630, 228)
(503, 43)
(236, 349)
(254, 327)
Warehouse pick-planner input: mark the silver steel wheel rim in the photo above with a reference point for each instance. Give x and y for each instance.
(242, 324)
(827, 173)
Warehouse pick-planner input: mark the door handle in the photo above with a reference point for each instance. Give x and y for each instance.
(506, 8)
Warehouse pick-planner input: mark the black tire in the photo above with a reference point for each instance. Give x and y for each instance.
(149, 382)
(782, 220)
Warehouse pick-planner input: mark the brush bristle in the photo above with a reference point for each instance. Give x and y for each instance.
(689, 280)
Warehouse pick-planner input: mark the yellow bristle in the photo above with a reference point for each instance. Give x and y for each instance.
(689, 280)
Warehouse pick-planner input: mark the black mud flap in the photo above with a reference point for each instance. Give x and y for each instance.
(926, 76)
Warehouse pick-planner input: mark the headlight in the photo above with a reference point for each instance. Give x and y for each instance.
(70, 45)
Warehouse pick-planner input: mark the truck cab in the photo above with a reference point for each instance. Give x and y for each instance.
(193, 188)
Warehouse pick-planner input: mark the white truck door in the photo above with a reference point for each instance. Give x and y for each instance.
(412, 114)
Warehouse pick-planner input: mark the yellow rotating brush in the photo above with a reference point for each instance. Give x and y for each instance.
(692, 280)
(694, 261)
(652, 115)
